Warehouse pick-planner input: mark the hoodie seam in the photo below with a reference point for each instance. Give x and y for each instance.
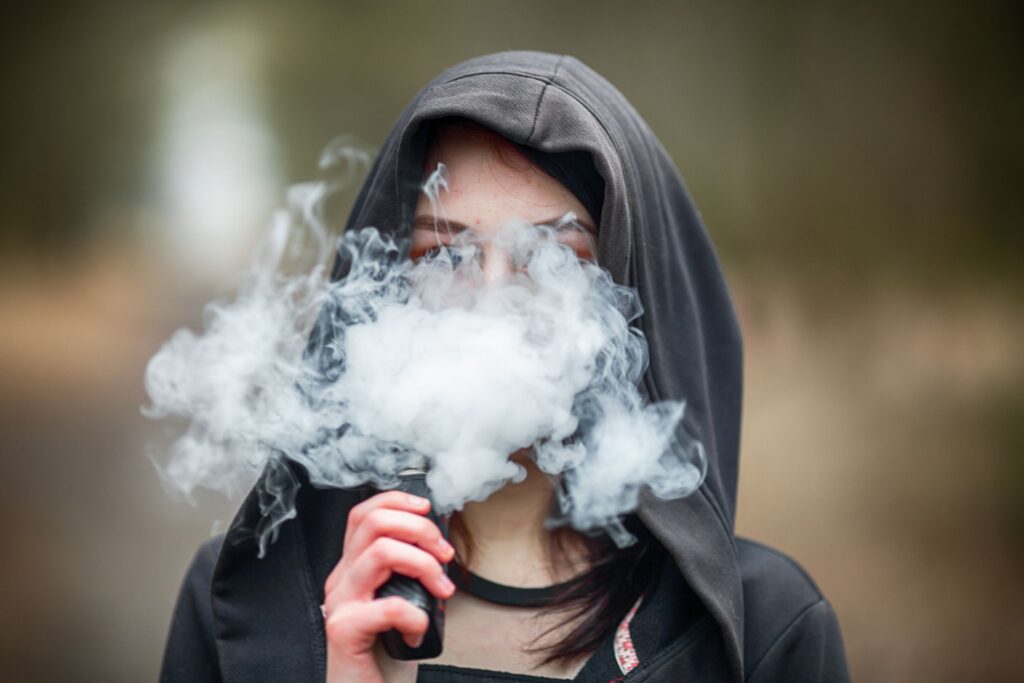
(778, 639)
(547, 81)
(719, 513)
(489, 72)
(540, 100)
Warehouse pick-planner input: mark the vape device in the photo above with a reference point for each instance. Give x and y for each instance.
(413, 480)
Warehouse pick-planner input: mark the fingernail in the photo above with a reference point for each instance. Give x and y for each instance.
(417, 501)
(445, 547)
(417, 641)
(447, 584)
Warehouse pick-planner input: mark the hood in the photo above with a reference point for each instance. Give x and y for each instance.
(650, 237)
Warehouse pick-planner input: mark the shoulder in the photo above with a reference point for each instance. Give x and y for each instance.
(199, 575)
(769, 574)
(790, 629)
(205, 558)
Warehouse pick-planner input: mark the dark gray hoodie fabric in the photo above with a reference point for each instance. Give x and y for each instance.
(240, 618)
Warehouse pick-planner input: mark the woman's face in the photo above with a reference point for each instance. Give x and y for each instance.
(488, 188)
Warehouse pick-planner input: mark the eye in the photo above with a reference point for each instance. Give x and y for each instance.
(425, 246)
(454, 255)
(580, 241)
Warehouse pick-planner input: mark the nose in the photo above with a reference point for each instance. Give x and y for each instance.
(497, 265)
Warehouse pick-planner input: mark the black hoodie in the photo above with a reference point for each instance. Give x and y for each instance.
(240, 618)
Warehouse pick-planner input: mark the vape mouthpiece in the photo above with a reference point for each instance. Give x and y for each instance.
(417, 466)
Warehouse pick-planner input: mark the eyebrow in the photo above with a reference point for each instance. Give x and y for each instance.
(431, 222)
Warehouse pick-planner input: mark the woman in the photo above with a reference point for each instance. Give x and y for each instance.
(689, 601)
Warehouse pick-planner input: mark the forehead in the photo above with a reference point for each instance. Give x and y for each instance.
(487, 175)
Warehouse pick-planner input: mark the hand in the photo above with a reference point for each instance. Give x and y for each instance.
(386, 533)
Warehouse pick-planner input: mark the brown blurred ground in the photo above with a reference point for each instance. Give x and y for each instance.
(856, 166)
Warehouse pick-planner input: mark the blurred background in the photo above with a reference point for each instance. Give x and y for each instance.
(857, 165)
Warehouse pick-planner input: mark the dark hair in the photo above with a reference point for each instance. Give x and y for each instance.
(601, 597)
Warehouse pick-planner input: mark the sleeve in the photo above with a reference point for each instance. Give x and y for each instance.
(190, 655)
(809, 650)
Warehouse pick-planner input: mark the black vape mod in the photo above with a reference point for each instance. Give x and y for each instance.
(413, 480)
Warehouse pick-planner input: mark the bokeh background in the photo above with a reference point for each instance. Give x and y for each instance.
(858, 164)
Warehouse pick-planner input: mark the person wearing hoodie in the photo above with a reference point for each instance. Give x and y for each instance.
(531, 136)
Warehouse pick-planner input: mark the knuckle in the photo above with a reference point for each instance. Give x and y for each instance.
(334, 581)
(381, 550)
(338, 628)
(356, 514)
(376, 520)
(341, 580)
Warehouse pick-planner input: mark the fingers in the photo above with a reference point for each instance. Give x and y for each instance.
(385, 534)
(389, 514)
(394, 500)
(375, 565)
(353, 627)
(403, 526)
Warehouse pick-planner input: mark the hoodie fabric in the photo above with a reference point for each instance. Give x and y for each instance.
(240, 618)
